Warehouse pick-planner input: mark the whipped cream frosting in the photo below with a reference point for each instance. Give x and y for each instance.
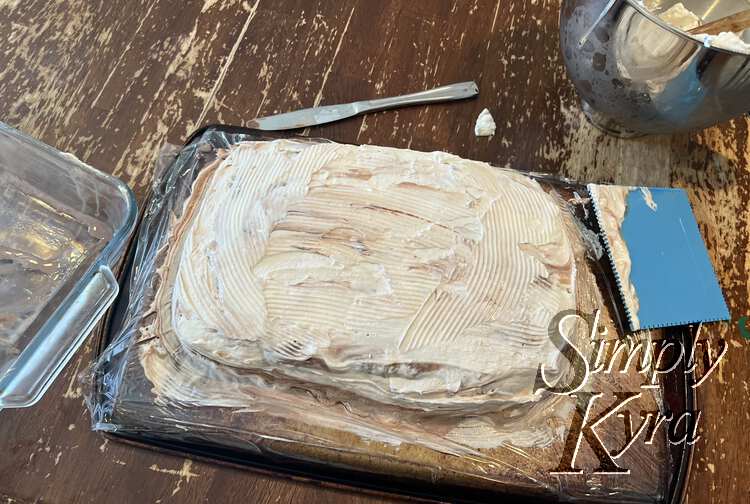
(725, 40)
(416, 280)
(611, 209)
(485, 124)
(683, 18)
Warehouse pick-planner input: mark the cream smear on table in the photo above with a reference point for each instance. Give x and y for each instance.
(485, 125)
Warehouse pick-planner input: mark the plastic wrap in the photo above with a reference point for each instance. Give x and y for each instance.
(452, 406)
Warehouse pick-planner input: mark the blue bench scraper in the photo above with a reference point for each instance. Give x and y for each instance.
(661, 265)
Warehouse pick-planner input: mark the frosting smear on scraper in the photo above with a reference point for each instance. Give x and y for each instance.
(611, 206)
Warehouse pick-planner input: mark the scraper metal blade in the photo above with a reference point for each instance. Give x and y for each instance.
(671, 280)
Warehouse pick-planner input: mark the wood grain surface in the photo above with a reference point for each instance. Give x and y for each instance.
(112, 81)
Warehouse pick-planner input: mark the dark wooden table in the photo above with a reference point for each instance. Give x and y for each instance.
(112, 81)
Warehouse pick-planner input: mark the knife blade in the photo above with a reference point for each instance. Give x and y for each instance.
(331, 113)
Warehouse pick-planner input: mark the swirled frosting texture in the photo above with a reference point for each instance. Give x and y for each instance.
(419, 280)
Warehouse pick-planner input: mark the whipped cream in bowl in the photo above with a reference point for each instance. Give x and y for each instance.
(681, 17)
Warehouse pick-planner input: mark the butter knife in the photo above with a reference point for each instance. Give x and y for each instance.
(330, 113)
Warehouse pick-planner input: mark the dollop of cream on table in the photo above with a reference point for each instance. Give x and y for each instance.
(485, 125)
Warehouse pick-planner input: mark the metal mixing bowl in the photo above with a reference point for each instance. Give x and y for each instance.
(636, 74)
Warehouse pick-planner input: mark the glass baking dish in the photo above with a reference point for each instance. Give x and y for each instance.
(63, 227)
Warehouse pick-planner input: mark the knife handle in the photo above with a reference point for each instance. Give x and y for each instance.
(451, 92)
